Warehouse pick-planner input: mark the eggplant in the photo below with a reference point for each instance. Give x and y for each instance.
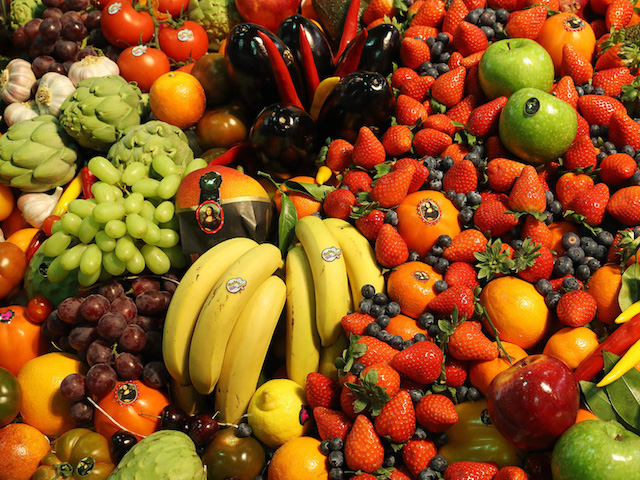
(359, 99)
(380, 50)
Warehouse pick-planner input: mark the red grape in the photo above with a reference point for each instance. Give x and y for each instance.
(66, 49)
(20, 39)
(125, 307)
(81, 337)
(111, 326)
(132, 339)
(128, 366)
(50, 28)
(52, 4)
(56, 326)
(93, 19)
(99, 352)
(81, 412)
(153, 302)
(94, 307)
(32, 27)
(73, 387)
(144, 284)
(155, 375)
(58, 68)
(101, 379)
(74, 30)
(51, 13)
(146, 323)
(40, 46)
(76, 5)
(112, 289)
(69, 308)
(153, 347)
(171, 283)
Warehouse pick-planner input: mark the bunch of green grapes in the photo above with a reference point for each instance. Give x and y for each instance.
(130, 225)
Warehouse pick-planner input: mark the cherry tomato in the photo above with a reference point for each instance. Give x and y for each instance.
(189, 41)
(20, 339)
(38, 309)
(143, 65)
(10, 397)
(173, 7)
(48, 223)
(222, 127)
(13, 264)
(566, 28)
(124, 26)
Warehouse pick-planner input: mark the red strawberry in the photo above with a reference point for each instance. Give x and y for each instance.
(576, 308)
(537, 267)
(526, 23)
(436, 413)
(422, 32)
(537, 231)
(409, 111)
(331, 423)
(471, 61)
(391, 249)
(370, 224)
(368, 151)
(575, 65)
(460, 112)
(565, 90)
(461, 273)
(508, 5)
(397, 420)
(399, 474)
(556, 283)
(421, 362)
(511, 473)
(377, 351)
(469, 343)
(456, 151)
(416, 455)
(466, 470)
(365, 476)
(614, 57)
(363, 449)
(612, 79)
(464, 245)
(472, 82)
(569, 185)
(357, 181)
(618, 14)
(617, 168)
(386, 377)
(495, 149)
(591, 203)
(462, 177)
(527, 194)
(321, 391)
(448, 89)
(624, 205)
(430, 14)
(355, 323)
(456, 13)
(483, 120)
(468, 39)
(502, 173)
(581, 154)
(348, 397)
(397, 140)
(583, 126)
(417, 88)
(402, 75)
(494, 219)
(338, 203)
(454, 60)
(597, 109)
(420, 174)
(459, 297)
(455, 372)
(339, 155)
(378, 9)
(623, 130)
(430, 142)
(414, 52)
(390, 189)
(440, 122)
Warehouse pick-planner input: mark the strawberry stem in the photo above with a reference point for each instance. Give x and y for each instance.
(503, 351)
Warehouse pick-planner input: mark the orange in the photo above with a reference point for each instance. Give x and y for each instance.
(584, 414)
(177, 98)
(22, 238)
(305, 204)
(299, 458)
(43, 406)
(425, 215)
(483, 372)
(558, 229)
(604, 285)
(14, 222)
(20, 339)
(22, 448)
(6, 202)
(404, 326)
(571, 345)
(517, 311)
(411, 285)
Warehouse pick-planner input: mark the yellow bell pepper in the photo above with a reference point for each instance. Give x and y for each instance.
(73, 191)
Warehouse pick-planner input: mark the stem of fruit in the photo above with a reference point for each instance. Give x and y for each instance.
(503, 351)
(111, 419)
(350, 27)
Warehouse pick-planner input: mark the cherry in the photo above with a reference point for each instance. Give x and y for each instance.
(202, 428)
(174, 418)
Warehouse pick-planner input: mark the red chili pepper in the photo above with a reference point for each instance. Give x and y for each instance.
(286, 89)
(618, 342)
(88, 179)
(234, 153)
(308, 63)
(350, 63)
(350, 28)
(35, 243)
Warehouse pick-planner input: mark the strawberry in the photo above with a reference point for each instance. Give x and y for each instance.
(365, 476)
(583, 126)
(417, 88)
(355, 323)
(339, 155)
(623, 130)
(460, 112)
(430, 14)
(464, 245)
(488, 196)
(377, 351)
(495, 149)
(456, 151)
(614, 57)
(397, 140)
(436, 413)
(618, 14)
(338, 203)
(565, 90)
(420, 172)
(461, 273)
(508, 5)
(357, 181)
(617, 168)
(348, 397)
(456, 13)
(455, 372)
(423, 31)
(569, 185)
(576, 308)
(378, 9)
(370, 224)
(448, 89)
(537, 231)
(502, 173)
(390, 189)
(368, 151)
(399, 474)
(534, 263)
(591, 203)
(363, 449)
(429, 141)
(597, 109)
(612, 79)
(331, 423)
(483, 120)
(459, 297)
(624, 205)
(467, 470)
(391, 249)
(527, 194)
(402, 75)
(409, 111)
(468, 39)
(575, 65)
(471, 61)
(494, 219)
(526, 23)
(455, 60)
(472, 82)
(468, 343)
(511, 473)
(581, 154)
(385, 377)
(421, 362)
(416, 455)
(462, 177)
(440, 122)
(397, 420)
(414, 52)
(556, 283)
(321, 391)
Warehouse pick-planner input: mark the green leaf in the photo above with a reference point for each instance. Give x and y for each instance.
(624, 394)
(316, 191)
(630, 289)
(286, 223)
(597, 401)
(381, 170)
(446, 327)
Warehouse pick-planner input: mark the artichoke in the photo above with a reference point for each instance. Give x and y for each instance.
(37, 155)
(217, 17)
(140, 143)
(21, 11)
(100, 109)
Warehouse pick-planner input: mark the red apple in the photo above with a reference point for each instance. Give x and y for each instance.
(534, 401)
(268, 13)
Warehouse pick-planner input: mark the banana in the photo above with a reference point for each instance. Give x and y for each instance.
(329, 354)
(247, 349)
(302, 339)
(329, 271)
(188, 299)
(221, 310)
(362, 267)
(186, 397)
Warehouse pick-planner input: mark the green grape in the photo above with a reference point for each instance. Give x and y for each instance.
(165, 211)
(163, 165)
(195, 164)
(82, 207)
(173, 224)
(148, 211)
(136, 225)
(57, 243)
(125, 248)
(176, 256)
(88, 280)
(112, 264)
(88, 229)
(157, 261)
(134, 172)
(147, 187)
(133, 203)
(153, 235)
(136, 263)
(168, 186)
(105, 212)
(115, 228)
(104, 170)
(57, 227)
(104, 241)
(70, 260)
(91, 260)
(71, 222)
(55, 272)
(103, 192)
(170, 238)
(119, 194)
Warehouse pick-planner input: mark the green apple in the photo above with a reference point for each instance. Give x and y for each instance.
(596, 450)
(514, 63)
(537, 126)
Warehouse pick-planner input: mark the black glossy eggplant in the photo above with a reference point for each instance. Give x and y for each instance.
(359, 99)
(285, 139)
(380, 50)
(250, 67)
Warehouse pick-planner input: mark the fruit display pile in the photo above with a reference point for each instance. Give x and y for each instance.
(319, 239)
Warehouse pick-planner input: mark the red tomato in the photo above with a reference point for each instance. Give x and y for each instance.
(143, 65)
(123, 26)
(13, 264)
(20, 339)
(38, 309)
(173, 7)
(185, 42)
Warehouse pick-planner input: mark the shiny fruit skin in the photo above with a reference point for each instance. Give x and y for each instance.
(230, 456)
(10, 397)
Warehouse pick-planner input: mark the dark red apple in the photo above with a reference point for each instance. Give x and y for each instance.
(268, 13)
(534, 401)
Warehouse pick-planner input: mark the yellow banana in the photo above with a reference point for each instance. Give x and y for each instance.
(329, 354)
(362, 267)
(329, 271)
(302, 339)
(221, 310)
(186, 397)
(247, 349)
(188, 299)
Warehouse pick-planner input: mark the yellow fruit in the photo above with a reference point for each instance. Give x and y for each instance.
(299, 458)
(604, 285)
(572, 345)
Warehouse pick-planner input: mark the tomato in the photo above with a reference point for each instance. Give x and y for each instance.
(48, 223)
(566, 28)
(124, 26)
(10, 397)
(229, 456)
(134, 406)
(20, 339)
(211, 72)
(189, 41)
(143, 65)
(222, 127)
(173, 7)
(186, 68)
(38, 309)
(13, 264)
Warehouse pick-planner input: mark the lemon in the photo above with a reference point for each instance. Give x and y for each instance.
(277, 412)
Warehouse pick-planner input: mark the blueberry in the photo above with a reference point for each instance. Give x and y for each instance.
(442, 37)
(433, 330)
(543, 286)
(396, 341)
(629, 150)
(368, 291)
(420, 337)
(425, 320)
(324, 447)
(406, 344)
(589, 245)
(588, 88)
(440, 286)
(461, 393)
(392, 309)
(244, 430)
(580, 90)
(563, 266)
(389, 460)
(376, 310)
(420, 433)
(336, 443)
(380, 298)
(593, 264)
(365, 305)
(576, 254)
(583, 272)
(435, 184)
(357, 368)
(474, 198)
(391, 217)
(438, 463)
(428, 474)
(442, 67)
(570, 283)
(473, 394)
(552, 299)
(488, 32)
(555, 207)
(416, 395)
(430, 41)
(570, 240)
(430, 259)
(447, 162)
(437, 49)
(437, 250)
(441, 265)
(460, 200)
(598, 91)
(440, 440)
(516, 243)
(466, 215)
(336, 473)
(594, 131)
(372, 329)
(413, 256)
(474, 15)
(443, 240)
(634, 180)
(383, 321)
(336, 458)
(601, 253)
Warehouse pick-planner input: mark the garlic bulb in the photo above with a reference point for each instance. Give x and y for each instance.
(53, 89)
(36, 207)
(16, 81)
(17, 112)
(92, 66)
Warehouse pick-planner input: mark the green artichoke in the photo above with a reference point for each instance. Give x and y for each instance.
(217, 17)
(100, 109)
(21, 11)
(37, 155)
(140, 143)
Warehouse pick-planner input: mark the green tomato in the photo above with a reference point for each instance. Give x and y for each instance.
(229, 456)
(10, 397)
